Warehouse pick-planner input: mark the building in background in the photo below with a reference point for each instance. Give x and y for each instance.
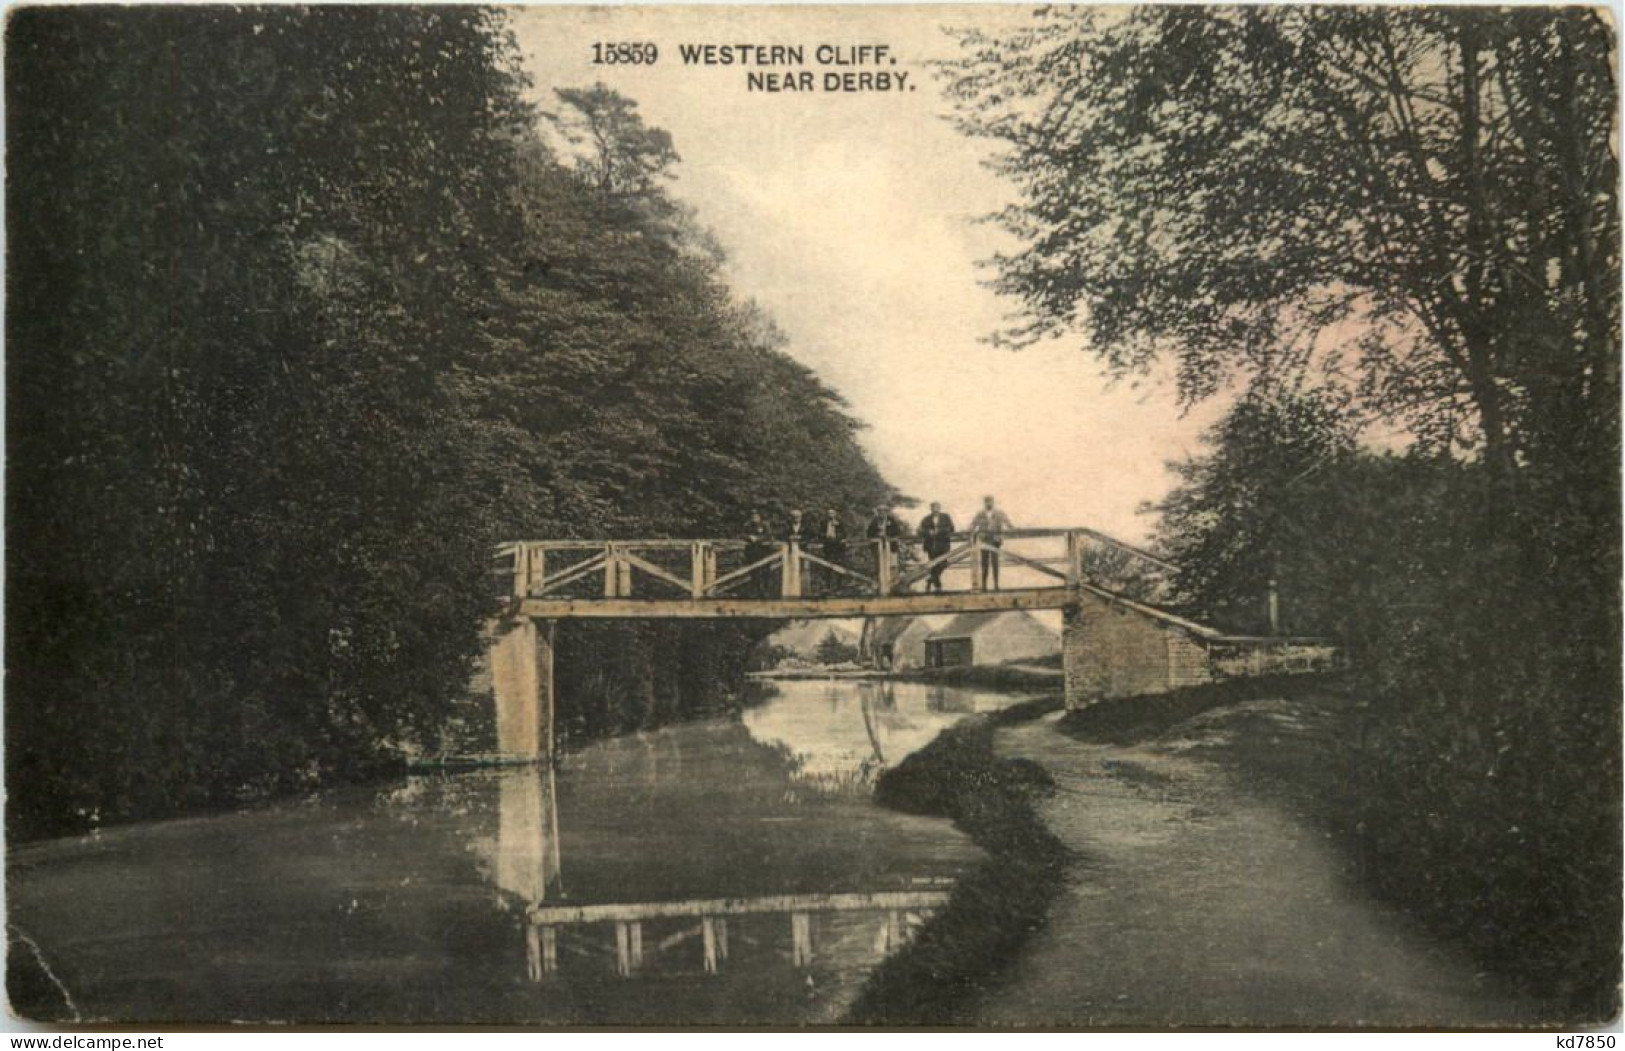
(904, 643)
(990, 638)
(898, 643)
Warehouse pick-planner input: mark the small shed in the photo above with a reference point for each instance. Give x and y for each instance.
(990, 638)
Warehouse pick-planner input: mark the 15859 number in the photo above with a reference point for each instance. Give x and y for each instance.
(625, 54)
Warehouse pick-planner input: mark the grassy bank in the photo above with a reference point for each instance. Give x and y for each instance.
(935, 980)
(1025, 676)
(1133, 720)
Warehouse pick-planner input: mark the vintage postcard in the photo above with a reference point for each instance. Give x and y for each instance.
(979, 516)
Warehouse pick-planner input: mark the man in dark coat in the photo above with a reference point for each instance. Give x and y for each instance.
(937, 537)
(759, 545)
(884, 524)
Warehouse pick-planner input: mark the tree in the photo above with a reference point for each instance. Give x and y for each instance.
(652, 403)
(1411, 212)
(228, 407)
(832, 649)
(1251, 509)
(1364, 546)
(302, 326)
(1418, 202)
(623, 155)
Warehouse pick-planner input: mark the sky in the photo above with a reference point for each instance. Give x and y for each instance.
(853, 219)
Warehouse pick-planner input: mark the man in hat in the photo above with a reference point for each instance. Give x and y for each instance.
(989, 526)
(937, 537)
(759, 545)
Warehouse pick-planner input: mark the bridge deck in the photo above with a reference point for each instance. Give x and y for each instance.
(805, 608)
(800, 578)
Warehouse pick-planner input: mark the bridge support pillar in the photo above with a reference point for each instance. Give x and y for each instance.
(1082, 684)
(521, 659)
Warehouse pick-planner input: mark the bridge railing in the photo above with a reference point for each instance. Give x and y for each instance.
(790, 569)
(899, 912)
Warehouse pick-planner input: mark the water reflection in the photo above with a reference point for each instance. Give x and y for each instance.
(527, 857)
(840, 734)
(731, 886)
(834, 737)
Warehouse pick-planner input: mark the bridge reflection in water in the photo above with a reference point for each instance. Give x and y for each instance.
(405, 903)
(694, 935)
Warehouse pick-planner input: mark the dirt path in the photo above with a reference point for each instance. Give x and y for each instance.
(1198, 903)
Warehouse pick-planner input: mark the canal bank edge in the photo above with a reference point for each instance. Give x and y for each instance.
(937, 979)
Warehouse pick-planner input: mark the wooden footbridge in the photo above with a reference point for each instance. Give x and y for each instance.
(1112, 644)
(559, 579)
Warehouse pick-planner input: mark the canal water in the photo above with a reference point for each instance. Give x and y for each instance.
(725, 871)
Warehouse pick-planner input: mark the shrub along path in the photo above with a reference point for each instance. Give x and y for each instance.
(1197, 900)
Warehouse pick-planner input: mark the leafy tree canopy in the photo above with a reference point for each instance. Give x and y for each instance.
(1417, 203)
(308, 311)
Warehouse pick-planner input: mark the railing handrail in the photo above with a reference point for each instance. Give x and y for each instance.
(676, 543)
(802, 565)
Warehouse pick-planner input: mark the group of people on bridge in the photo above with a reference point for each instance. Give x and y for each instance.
(885, 537)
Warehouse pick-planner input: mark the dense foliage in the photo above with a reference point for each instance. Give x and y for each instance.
(307, 309)
(1404, 215)
(1422, 203)
(1484, 787)
(832, 649)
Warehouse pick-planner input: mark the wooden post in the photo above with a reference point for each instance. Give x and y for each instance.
(978, 575)
(533, 952)
(623, 586)
(541, 951)
(801, 939)
(538, 570)
(546, 648)
(1275, 608)
(617, 573)
(1074, 560)
(791, 575)
(721, 925)
(628, 947)
(708, 934)
(710, 566)
(521, 569)
(883, 565)
(697, 568)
